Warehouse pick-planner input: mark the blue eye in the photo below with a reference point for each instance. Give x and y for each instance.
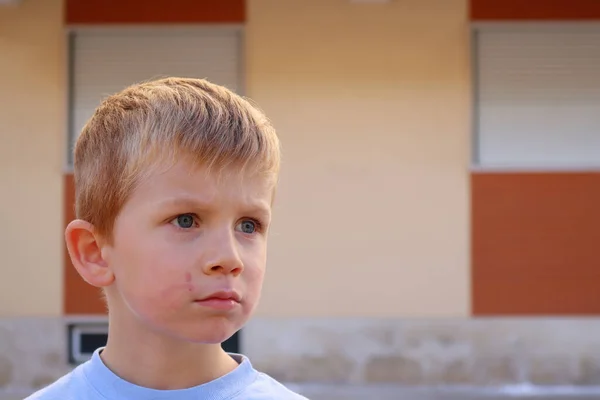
(184, 221)
(248, 226)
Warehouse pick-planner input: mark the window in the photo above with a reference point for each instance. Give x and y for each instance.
(537, 96)
(106, 60)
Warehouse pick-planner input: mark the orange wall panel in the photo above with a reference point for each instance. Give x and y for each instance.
(154, 11)
(482, 10)
(79, 296)
(535, 239)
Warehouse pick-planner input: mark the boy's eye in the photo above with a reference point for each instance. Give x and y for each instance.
(185, 221)
(247, 226)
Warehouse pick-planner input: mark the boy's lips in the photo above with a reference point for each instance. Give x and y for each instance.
(226, 299)
(224, 294)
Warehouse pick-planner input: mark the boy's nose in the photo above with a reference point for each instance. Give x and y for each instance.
(223, 258)
(224, 267)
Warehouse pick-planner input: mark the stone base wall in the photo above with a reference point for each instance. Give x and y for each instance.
(474, 352)
(444, 352)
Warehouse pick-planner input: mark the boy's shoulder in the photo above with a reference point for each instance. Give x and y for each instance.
(267, 388)
(71, 386)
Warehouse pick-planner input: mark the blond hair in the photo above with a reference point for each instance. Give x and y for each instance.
(137, 128)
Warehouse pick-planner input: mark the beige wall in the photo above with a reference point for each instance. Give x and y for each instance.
(372, 105)
(31, 150)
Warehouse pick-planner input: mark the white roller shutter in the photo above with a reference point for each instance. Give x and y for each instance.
(538, 96)
(104, 61)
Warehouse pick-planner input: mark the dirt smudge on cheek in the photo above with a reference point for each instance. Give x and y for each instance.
(188, 281)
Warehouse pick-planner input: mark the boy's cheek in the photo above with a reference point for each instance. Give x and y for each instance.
(253, 281)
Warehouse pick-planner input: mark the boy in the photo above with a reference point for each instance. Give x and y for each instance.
(175, 180)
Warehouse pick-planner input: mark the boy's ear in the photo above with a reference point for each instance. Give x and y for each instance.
(86, 253)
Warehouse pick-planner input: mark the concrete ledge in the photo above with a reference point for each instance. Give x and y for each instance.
(394, 392)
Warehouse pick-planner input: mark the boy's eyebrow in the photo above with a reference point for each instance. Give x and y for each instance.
(259, 207)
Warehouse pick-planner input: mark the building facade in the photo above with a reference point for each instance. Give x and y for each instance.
(440, 166)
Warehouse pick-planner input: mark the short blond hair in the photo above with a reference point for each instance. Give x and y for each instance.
(159, 120)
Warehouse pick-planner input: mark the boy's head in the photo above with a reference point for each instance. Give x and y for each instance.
(174, 184)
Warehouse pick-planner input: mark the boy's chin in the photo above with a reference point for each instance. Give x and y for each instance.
(207, 333)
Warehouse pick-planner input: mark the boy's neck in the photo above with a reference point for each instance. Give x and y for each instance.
(152, 361)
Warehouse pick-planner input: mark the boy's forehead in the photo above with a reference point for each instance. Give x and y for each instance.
(217, 175)
(190, 179)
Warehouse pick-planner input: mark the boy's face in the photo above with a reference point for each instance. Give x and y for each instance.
(189, 250)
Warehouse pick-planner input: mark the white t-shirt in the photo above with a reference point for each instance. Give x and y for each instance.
(93, 380)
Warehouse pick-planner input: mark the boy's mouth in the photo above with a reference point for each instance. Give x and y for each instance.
(221, 300)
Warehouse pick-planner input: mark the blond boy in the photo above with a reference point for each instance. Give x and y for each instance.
(175, 180)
